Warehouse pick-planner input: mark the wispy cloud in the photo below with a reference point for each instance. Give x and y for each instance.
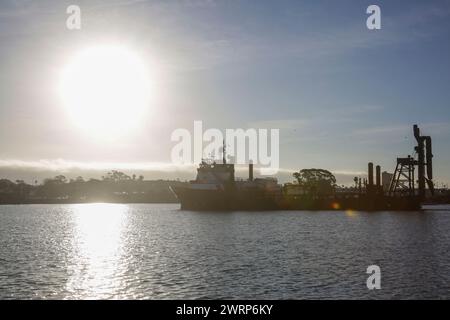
(238, 44)
(428, 128)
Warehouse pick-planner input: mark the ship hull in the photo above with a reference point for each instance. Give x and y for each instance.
(257, 200)
(224, 200)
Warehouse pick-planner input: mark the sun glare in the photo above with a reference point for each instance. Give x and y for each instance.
(106, 90)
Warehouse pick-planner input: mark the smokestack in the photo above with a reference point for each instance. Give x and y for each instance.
(429, 158)
(378, 178)
(250, 171)
(224, 152)
(370, 174)
(420, 149)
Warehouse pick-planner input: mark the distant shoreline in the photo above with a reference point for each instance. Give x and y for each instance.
(57, 202)
(115, 187)
(86, 202)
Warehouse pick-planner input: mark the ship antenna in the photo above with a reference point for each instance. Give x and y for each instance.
(224, 157)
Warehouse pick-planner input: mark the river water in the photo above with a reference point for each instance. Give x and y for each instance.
(156, 251)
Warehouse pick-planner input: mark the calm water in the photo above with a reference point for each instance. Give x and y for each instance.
(158, 252)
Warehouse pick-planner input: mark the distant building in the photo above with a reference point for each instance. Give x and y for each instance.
(386, 179)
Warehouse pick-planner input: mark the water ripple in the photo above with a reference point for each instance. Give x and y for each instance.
(107, 251)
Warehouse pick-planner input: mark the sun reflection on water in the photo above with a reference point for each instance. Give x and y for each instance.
(98, 231)
(351, 213)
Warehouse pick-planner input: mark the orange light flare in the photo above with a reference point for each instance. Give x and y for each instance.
(336, 206)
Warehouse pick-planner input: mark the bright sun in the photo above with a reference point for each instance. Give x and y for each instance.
(106, 90)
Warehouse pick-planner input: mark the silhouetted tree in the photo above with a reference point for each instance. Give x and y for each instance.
(355, 179)
(60, 179)
(316, 181)
(116, 176)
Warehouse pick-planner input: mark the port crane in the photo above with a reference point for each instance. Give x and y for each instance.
(403, 181)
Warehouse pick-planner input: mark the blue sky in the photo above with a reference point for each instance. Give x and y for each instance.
(340, 94)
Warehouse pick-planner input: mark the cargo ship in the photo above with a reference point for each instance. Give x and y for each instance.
(216, 188)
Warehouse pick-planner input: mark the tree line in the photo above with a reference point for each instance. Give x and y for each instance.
(115, 186)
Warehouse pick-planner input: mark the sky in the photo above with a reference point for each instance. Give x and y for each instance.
(341, 95)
